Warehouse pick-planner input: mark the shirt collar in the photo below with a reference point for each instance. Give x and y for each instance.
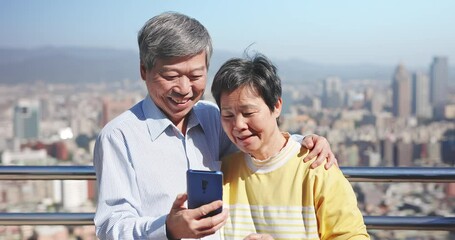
(157, 122)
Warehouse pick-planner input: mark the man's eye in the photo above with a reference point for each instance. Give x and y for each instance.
(227, 115)
(170, 78)
(247, 114)
(195, 77)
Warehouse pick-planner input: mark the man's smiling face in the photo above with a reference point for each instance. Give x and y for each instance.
(175, 84)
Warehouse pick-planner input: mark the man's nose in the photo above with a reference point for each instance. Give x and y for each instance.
(183, 85)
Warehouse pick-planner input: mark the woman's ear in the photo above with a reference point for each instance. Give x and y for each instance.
(278, 107)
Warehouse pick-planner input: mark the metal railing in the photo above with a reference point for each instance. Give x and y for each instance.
(353, 174)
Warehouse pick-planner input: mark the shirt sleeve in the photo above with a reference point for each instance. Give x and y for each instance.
(118, 214)
(337, 212)
(298, 138)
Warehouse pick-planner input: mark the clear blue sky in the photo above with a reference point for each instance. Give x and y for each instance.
(337, 31)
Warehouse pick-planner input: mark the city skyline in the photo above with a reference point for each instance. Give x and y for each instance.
(353, 32)
(53, 105)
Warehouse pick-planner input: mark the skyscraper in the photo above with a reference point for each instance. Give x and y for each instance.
(332, 94)
(448, 147)
(401, 87)
(404, 150)
(26, 119)
(439, 78)
(112, 107)
(421, 95)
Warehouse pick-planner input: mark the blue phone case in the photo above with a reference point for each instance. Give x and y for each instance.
(204, 187)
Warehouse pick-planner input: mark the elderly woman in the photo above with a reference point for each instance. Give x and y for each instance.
(269, 190)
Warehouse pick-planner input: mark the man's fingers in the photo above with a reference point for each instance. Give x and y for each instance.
(328, 165)
(189, 223)
(209, 225)
(316, 151)
(214, 221)
(319, 160)
(179, 201)
(176, 220)
(207, 208)
(331, 160)
(309, 157)
(308, 141)
(321, 151)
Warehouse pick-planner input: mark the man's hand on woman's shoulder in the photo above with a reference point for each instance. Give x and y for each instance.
(319, 147)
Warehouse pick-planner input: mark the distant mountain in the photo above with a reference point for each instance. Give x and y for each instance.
(67, 65)
(79, 65)
(298, 70)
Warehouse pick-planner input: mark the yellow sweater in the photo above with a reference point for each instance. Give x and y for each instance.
(283, 197)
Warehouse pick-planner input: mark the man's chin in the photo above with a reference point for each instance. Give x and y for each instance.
(178, 114)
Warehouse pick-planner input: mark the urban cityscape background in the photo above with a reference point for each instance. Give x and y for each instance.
(379, 85)
(406, 120)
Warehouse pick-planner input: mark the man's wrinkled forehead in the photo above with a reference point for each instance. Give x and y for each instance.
(169, 63)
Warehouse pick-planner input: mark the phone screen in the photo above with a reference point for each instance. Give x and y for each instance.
(204, 187)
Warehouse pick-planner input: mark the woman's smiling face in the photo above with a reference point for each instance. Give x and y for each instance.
(248, 121)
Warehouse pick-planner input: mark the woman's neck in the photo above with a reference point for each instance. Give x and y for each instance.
(272, 148)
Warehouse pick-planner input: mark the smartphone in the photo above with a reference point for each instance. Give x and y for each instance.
(204, 187)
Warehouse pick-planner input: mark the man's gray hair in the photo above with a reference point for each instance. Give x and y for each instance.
(172, 34)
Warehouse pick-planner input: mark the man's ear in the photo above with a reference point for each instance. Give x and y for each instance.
(143, 71)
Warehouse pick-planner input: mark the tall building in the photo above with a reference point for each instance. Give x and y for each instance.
(448, 147)
(72, 194)
(401, 87)
(439, 79)
(26, 119)
(112, 107)
(387, 151)
(404, 153)
(421, 95)
(75, 193)
(332, 95)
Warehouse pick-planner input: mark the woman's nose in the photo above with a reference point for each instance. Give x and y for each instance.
(239, 122)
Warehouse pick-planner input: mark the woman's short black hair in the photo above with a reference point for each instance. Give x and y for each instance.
(257, 72)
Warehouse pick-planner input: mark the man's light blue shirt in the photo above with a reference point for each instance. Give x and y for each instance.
(141, 160)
